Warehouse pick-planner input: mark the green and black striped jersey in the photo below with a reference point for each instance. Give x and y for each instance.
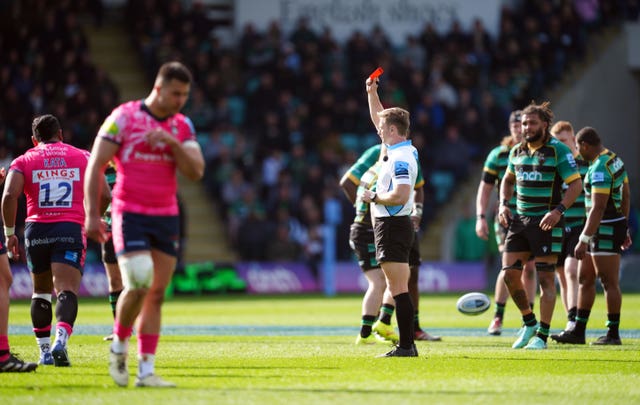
(539, 175)
(606, 175)
(575, 215)
(495, 167)
(110, 174)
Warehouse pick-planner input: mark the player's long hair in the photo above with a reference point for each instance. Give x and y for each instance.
(544, 113)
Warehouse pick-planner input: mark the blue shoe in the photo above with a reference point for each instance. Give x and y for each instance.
(46, 359)
(536, 344)
(525, 334)
(60, 357)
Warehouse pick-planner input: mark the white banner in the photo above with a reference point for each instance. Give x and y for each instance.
(398, 18)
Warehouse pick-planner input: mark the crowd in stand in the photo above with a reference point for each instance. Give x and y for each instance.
(280, 116)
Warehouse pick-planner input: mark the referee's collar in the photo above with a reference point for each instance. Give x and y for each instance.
(399, 144)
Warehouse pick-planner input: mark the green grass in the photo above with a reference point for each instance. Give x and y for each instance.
(246, 368)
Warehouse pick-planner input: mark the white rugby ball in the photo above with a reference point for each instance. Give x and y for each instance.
(473, 303)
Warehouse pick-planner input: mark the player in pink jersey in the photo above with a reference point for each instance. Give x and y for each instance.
(8, 361)
(51, 176)
(148, 140)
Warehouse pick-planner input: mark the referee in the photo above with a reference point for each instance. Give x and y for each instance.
(391, 206)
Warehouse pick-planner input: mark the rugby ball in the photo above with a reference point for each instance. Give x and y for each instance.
(473, 303)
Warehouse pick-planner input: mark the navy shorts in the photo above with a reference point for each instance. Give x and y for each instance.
(55, 242)
(135, 232)
(394, 237)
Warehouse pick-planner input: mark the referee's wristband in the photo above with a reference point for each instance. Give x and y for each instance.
(417, 210)
(586, 239)
(9, 231)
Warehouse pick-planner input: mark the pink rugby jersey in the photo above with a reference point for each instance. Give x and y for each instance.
(53, 180)
(147, 182)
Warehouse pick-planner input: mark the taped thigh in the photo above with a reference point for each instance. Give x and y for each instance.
(137, 271)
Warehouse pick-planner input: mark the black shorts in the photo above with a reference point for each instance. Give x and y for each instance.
(501, 233)
(609, 237)
(524, 235)
(3, 248)
(569, 242)
(363, 245)
(394, 237)
(135, 232)
(414, 254)
(109, 253)
(55, 242)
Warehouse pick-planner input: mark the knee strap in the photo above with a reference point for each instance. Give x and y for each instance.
(515, 266)
(546, 267)
(137, 271)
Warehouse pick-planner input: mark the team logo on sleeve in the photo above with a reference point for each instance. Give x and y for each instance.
(110, 127)
(571, 160)
(597, 177)
(401, 170)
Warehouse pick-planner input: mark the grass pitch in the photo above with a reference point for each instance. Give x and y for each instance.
(273, 350)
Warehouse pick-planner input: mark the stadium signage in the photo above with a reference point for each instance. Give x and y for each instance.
(398, 18)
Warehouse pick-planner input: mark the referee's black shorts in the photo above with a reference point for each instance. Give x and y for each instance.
(394, 237)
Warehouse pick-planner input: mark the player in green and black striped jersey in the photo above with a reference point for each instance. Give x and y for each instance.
(108, 254)
(494, 168)
(605, 235)
(537, 168)
(574, 217)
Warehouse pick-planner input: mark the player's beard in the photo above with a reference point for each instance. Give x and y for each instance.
(535, 137)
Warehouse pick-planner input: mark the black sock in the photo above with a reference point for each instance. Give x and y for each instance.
(571, 315)
(582, 317)
(386, 311)
(530, 319)
(404, 316)
(113, 301)
(416, 321)
(613, 323)
(67, 307)
(365, 325)
(499, 312)
(41, 316)
(543, 331)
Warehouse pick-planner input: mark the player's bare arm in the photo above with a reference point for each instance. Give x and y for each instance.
(12, 191)
(94, 182)
(506, 192)
(594, 217)
(375, 105)
(416, 214)
(349, 188)
(552, 217)
(398, 196)
(482, 201)
(625, 205)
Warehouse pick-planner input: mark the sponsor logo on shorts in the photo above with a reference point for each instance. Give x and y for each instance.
(48, 240)
(71, 256)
